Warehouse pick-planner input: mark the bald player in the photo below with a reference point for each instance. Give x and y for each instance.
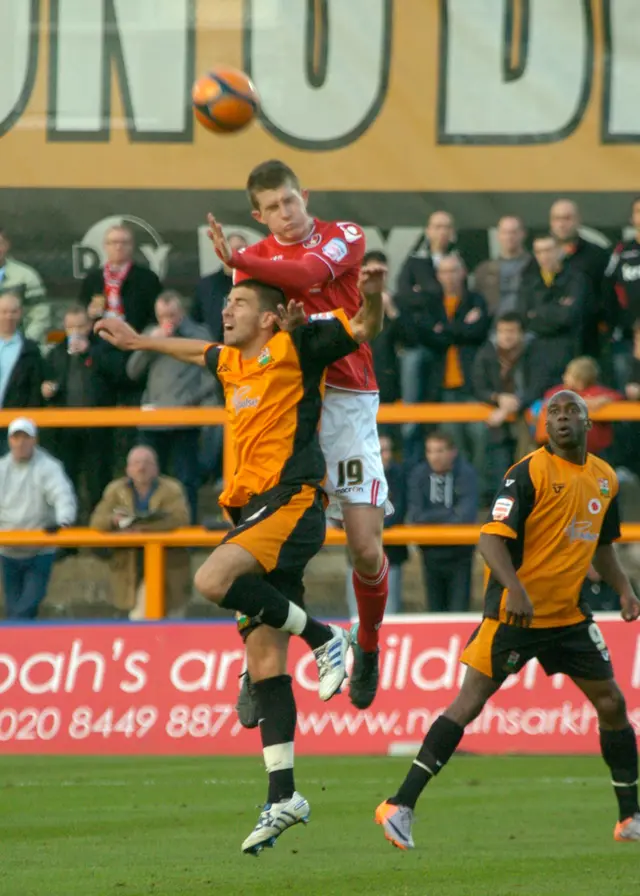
(567, 499)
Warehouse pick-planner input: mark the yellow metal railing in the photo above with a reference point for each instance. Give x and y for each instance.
(154, 544)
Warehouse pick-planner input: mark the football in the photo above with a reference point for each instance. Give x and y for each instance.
(225, 100)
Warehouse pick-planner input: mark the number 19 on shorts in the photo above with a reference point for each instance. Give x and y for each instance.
(350, 472)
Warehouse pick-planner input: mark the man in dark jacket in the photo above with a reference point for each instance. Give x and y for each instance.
(551, 303)
(452, 326)
(444, 489)
(509, 372)
(83, 371)
(587, 259)
(212, 291)
(622, 297)
(20, 360)
(417, 284)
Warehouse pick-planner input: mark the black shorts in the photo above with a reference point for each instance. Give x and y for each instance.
(499, 650)
(283, 529)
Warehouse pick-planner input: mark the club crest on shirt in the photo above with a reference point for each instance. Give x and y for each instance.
(314, 241)
(604, 487)
(265, 357)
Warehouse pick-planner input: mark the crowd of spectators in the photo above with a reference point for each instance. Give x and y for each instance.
(551, 309)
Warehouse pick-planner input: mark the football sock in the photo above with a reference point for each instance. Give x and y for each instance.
(620, 752)
(371, 597)
(255, 597)
(437, 748)
(277, 710)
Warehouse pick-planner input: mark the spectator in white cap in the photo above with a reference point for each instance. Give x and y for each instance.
(35, 493)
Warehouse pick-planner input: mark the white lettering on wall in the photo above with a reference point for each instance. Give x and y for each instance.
(148, 42)
(331, 103)
(18, 59)
(621, 109)
(479, 104)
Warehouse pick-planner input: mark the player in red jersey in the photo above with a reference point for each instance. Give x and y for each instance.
(317, 262)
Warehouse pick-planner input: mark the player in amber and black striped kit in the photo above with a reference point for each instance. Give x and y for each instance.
(555, 514)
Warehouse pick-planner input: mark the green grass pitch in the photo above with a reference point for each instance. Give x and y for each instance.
(167, 827)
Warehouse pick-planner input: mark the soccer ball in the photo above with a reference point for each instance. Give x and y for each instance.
(225, 100)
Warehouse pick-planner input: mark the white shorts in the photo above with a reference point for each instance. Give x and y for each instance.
(351, 448)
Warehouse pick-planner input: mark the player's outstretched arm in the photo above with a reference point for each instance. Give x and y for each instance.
(367, 323)
(289, 275)
(122, 336)
(607, 565)
(519, 608)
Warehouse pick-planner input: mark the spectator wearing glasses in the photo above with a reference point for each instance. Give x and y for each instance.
(122, 288)
(144, 501)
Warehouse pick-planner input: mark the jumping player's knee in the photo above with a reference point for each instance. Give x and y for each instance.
(367, 558)
(212, 583)
(218, 573)
(266, 653)
(610, 706)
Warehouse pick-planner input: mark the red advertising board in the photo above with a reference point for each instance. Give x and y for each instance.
(171, 687)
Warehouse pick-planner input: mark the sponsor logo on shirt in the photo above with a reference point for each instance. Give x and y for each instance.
(324, 315)
(315, 240)
(580, 530)
(335, 249)
(242, 399)
(557, 487)
(509, 482)
(502, 508)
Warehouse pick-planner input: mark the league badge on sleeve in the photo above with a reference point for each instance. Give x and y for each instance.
(335, 249)
(502, 509)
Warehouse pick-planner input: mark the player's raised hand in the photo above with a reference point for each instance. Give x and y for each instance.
(219, 240)
(518, 608)
(117, 332)
(629, 607)
(372, 278)
(292, 316)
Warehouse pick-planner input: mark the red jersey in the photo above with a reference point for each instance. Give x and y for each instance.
(340, 245)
